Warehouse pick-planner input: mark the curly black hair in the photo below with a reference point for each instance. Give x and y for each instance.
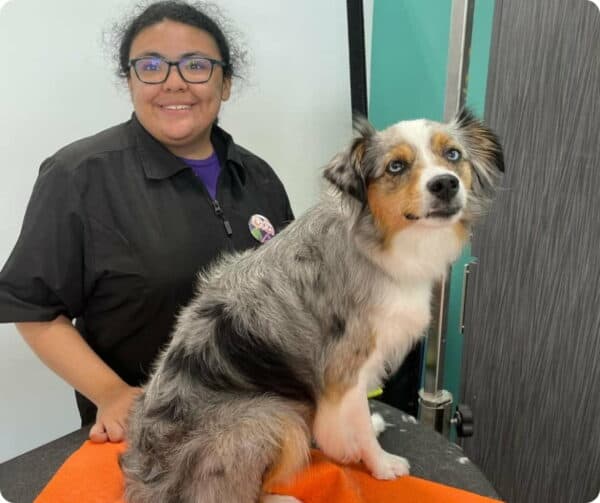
(194, 14)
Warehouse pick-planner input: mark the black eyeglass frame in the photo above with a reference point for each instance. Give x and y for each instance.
(213, 62)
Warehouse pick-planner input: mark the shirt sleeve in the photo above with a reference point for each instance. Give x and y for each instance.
(43, 276)
(289, 214)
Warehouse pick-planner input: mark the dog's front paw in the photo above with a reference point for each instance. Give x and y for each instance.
(389, 466)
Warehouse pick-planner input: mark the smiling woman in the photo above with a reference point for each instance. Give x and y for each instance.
(177, 112)
(120, 223)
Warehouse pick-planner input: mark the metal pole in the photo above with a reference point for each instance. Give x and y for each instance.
(356, 50)
(459, 51)
(435, 403)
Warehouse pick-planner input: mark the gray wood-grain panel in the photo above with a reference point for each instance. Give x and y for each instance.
(532, 343)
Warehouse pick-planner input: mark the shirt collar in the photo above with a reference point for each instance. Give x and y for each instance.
(159, 163)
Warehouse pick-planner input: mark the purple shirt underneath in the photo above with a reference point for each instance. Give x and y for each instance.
(207, 170)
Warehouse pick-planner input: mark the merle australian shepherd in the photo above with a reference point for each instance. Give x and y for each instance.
(281, 344)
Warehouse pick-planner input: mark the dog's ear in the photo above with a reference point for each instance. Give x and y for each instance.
(482, 143)
(484, 149)
(347, 170)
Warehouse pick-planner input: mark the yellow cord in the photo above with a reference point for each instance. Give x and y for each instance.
(375, 392)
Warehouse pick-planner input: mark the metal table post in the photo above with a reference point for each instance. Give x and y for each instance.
(435, 403)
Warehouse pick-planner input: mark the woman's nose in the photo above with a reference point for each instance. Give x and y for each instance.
(174, 80)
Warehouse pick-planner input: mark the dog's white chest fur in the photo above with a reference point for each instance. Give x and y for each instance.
(398, 318)
(402, 314)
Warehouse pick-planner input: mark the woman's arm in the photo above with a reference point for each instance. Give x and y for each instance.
(62, 348)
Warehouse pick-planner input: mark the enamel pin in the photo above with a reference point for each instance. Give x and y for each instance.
(261, 229)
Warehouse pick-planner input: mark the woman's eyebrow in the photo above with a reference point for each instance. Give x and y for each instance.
(152, 54)
(195, 53)
(155, 54)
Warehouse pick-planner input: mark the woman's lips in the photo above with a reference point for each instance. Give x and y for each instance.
(175, 107)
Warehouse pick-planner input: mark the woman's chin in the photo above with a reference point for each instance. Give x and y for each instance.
(186, 144)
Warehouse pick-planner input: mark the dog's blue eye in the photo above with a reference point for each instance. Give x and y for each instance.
(453, 155)
(396, 167)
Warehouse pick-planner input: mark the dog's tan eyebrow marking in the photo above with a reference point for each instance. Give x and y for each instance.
(403, 152)
(440, 142)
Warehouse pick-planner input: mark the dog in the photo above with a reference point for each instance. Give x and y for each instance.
(280, 345)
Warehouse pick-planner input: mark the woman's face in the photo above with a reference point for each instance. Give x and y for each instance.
(177, 113)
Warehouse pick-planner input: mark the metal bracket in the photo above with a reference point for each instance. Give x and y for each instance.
(435, 409)
(463, 299)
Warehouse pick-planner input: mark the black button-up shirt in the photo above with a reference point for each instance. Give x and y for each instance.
(117, 228)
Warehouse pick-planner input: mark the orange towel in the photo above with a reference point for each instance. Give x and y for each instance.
(92, 475)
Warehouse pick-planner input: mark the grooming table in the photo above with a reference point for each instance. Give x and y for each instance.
(431, 456)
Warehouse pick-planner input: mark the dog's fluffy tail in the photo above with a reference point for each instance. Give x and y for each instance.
(242, 447)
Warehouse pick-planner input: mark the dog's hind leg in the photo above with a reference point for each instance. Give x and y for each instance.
(262, 448)
(231, 455)
(293, 456)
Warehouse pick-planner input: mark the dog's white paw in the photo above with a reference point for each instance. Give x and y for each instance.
(389, 466)
(277, 498)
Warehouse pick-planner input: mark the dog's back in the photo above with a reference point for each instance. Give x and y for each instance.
(229, 407)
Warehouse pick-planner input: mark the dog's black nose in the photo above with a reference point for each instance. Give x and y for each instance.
(443, 187)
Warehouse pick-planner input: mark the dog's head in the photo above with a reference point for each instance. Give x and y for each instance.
(420, 172)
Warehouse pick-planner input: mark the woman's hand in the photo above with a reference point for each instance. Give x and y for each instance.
(61, 347)
(113, 411)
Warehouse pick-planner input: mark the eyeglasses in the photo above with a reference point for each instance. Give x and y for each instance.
(192, 69)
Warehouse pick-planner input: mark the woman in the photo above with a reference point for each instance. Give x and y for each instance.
(119, 223)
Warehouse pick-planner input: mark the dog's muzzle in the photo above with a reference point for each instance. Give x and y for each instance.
(444, 203)
(444, 188)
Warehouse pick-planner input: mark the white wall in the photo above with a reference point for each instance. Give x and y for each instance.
(57, 85)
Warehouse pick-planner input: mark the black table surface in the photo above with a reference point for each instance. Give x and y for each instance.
(431, 457)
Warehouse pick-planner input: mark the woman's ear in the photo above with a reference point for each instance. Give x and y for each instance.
(226, 89)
